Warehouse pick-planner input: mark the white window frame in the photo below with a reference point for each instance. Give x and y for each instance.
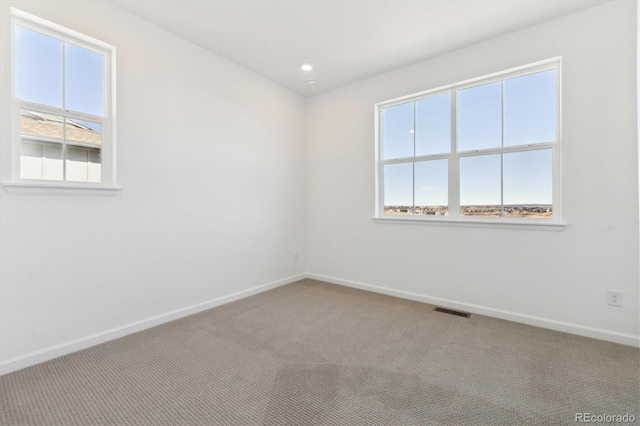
(454, 155)
(108, 121)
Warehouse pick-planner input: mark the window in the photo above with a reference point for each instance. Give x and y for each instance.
(483, 150)
(63, 106)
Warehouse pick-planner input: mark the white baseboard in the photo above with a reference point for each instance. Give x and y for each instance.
(566, 327)
(46, 354)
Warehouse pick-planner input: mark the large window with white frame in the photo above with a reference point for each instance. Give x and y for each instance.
(63, 106)
(486, 149)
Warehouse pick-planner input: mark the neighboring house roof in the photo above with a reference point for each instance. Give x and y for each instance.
(48, 128)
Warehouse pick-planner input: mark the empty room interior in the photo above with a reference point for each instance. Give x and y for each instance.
(319, 212)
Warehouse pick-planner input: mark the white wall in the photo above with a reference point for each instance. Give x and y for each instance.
(554, 279)
(217, 194)
(212, 161)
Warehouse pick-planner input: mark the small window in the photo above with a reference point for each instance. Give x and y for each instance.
(486, 149)
(63, 106)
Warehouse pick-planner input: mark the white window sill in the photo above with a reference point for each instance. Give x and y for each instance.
(532, 224)
(50, 188)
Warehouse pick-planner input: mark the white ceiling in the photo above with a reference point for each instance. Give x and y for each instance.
(346, 41)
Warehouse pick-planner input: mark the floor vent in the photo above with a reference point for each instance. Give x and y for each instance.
(452, 312)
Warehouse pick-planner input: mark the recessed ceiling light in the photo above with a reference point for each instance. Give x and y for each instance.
(306, 67)
(312, 82)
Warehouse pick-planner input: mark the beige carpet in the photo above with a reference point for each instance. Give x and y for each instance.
(316, 353)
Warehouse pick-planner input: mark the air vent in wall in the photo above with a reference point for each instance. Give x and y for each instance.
(452, 312)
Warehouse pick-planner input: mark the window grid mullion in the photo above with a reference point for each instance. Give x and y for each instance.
(502, 146)
(413, 166)
(64, 149)
(64, 107)
(413, 187)
(32, 106)
(380, 163)
(509, 149)
(416, 159)
(454, 161)
(501, 185)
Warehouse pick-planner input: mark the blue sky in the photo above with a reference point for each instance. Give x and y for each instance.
(424, 127)
(39, 73)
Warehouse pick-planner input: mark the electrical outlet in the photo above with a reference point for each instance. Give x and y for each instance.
(614, 297)
(295, 257)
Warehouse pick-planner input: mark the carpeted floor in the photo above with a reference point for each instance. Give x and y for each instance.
(317, 353)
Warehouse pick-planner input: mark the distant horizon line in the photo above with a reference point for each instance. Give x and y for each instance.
(472, 205)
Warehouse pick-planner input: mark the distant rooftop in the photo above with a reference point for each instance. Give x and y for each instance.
(48, 128)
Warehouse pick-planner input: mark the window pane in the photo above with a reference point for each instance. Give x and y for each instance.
(95, 166)
(77, 164)
(41, 146)
(480, 185)
(433, 125)
(398, 188)
(31, 157)
(84, 80)
(397, 132)
(530, 109)
(528, 189)
(432, 187)
(52, 168)
(38, 67)
(84, 133)
(480, 117)
(84, 143)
